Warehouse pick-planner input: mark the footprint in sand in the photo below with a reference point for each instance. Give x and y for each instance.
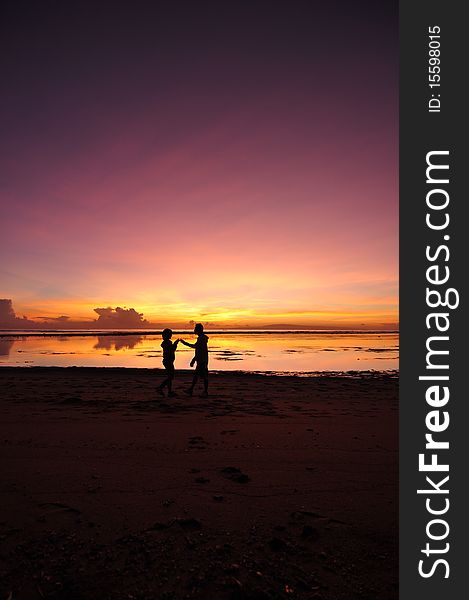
(197, 441)
(201, 480)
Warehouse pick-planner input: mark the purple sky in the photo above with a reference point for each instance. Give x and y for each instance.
(229, 162)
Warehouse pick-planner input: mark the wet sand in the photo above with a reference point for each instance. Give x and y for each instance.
(272, 487)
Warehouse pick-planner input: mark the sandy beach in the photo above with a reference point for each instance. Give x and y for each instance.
(272, 487)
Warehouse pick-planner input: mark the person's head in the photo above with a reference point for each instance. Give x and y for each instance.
(167, 334)
(199, 329)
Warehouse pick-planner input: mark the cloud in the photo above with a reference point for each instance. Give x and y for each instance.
(127, 318)
(61, 319)
(8, 318)
(108, 318)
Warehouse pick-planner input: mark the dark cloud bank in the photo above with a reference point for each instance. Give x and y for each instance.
(108, 318)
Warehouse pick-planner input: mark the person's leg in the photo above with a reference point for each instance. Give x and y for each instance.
(170, 380)
(194, 381)
(166, 382)
(204, 375)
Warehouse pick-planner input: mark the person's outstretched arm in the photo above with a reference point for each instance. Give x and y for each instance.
(175, 344)
(187, 344)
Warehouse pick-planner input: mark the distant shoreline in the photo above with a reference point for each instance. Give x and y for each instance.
(114, 332)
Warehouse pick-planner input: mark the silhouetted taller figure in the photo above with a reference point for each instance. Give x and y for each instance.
(201, 358)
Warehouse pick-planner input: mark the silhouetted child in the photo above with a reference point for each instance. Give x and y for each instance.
(201, 358)
(169, 355)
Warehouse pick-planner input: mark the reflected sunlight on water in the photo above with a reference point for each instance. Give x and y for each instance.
(273, 351)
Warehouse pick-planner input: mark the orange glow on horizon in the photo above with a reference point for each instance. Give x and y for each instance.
(181, 315)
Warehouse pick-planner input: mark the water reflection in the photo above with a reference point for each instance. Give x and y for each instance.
(5, 346)
(117, 342)
(264, 352)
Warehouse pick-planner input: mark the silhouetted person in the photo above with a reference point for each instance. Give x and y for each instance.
(169, 355)
(201, 358)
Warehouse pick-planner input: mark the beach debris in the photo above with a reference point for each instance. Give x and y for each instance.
(158, 526)
(189, 523)
(235, 474)
(57, 507)
(197, 441)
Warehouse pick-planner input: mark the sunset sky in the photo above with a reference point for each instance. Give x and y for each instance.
(229, 162)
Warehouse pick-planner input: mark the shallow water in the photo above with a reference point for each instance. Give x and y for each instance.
(283, 352)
